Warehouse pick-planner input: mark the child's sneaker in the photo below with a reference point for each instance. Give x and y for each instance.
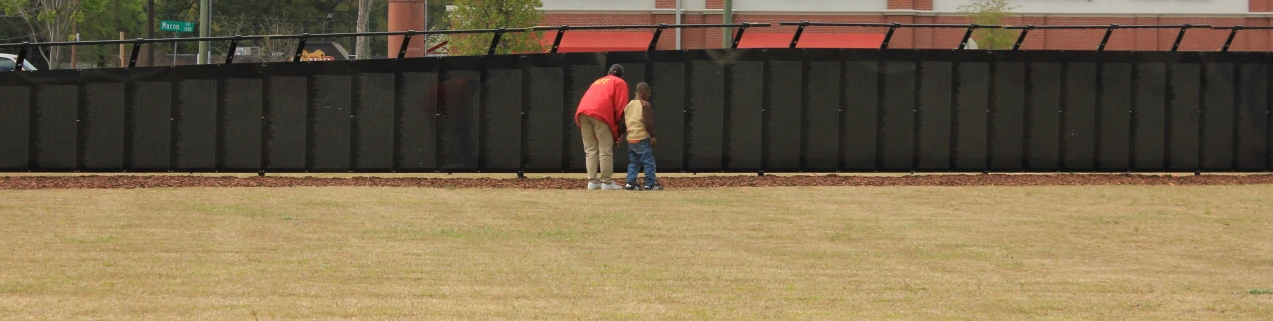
(594, 186)
(654, 187)
(610, 186)
(632, 187)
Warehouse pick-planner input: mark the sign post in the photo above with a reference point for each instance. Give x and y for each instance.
(177, 27)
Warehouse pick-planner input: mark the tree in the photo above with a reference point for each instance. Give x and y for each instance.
(491, 14)
(272, 50)
(50, 20)
(437, 15)
(128, 16)
(364, 10)
(991, 12)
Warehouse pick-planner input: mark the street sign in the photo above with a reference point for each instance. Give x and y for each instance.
(176, 26)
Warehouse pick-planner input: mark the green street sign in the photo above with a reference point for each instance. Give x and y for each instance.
(176, 26)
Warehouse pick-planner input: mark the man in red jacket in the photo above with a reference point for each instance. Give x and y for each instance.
(597, 115)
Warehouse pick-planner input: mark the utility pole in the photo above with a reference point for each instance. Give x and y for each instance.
(205, 27)
(150, 31)
(728, 18)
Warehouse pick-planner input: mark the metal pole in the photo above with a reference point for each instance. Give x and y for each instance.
(205, 27)
(678, 21)
(174, 48)
(150, 31)
(1108, 32)
(799, 30)
(654, 41)
(1232, 34)
(967, 35)
(739, 37)
(728, 19)
(1021, 38)
(1176, 45)
(889, 36)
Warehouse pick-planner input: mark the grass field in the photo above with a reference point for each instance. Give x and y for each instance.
(1089, 252)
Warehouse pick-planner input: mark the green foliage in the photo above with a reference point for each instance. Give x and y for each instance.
(991, 12)
(106, 22)
(1261, 291)
(491, 14)
(50, 20)
(105, 19)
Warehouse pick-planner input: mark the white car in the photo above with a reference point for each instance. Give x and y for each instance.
(7, 62)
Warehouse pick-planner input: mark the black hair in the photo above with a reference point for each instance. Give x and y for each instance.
(616, 70)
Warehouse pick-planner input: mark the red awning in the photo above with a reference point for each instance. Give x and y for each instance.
(811, 40)
(588, 41)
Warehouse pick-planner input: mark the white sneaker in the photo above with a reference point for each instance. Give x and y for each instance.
(611, 186)
(594, 185)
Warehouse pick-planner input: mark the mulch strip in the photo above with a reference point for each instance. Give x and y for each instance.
(162, 181)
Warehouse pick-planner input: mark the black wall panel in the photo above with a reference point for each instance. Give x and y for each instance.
(822, 116)
(15, 128)
(746, 99)
(1114, 117)
(1078, 137)
(1182, 117)
(56, 120)
(861, 114)
(196, 124)
(1217, 117)
(705, 134)
(241, 125)
(1149, 116)
(460, 119)
(1007, 116)
(1252, 117)
(502, 120)
(374, 122)
(776, 110)
(151, 126)
(287, 123)
(544, 121)
(669, 115)
(330, 122)
(972, 86)
(1043, 119)
(103, 126)
(934, 117)
(897, 120)
(784, 115)
(418, 121)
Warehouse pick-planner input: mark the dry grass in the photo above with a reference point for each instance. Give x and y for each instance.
(782, 253)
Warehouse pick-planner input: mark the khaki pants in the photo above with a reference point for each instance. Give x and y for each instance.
(598, 148)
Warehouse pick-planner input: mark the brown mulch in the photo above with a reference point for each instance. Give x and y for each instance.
(155, 181)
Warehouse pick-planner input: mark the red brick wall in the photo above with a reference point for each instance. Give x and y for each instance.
(1125, 39)
(910, 4)
(923, 4)
(1261, 5)
(665, 4)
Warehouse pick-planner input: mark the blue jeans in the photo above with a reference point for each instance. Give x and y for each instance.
(641, 154)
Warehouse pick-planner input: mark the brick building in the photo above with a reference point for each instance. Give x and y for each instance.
(1036, 12)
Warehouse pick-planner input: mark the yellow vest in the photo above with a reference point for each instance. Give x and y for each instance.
(634, 117)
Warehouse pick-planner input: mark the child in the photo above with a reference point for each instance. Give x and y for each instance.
(639, 119)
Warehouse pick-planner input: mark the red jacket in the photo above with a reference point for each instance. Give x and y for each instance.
(604, 101)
